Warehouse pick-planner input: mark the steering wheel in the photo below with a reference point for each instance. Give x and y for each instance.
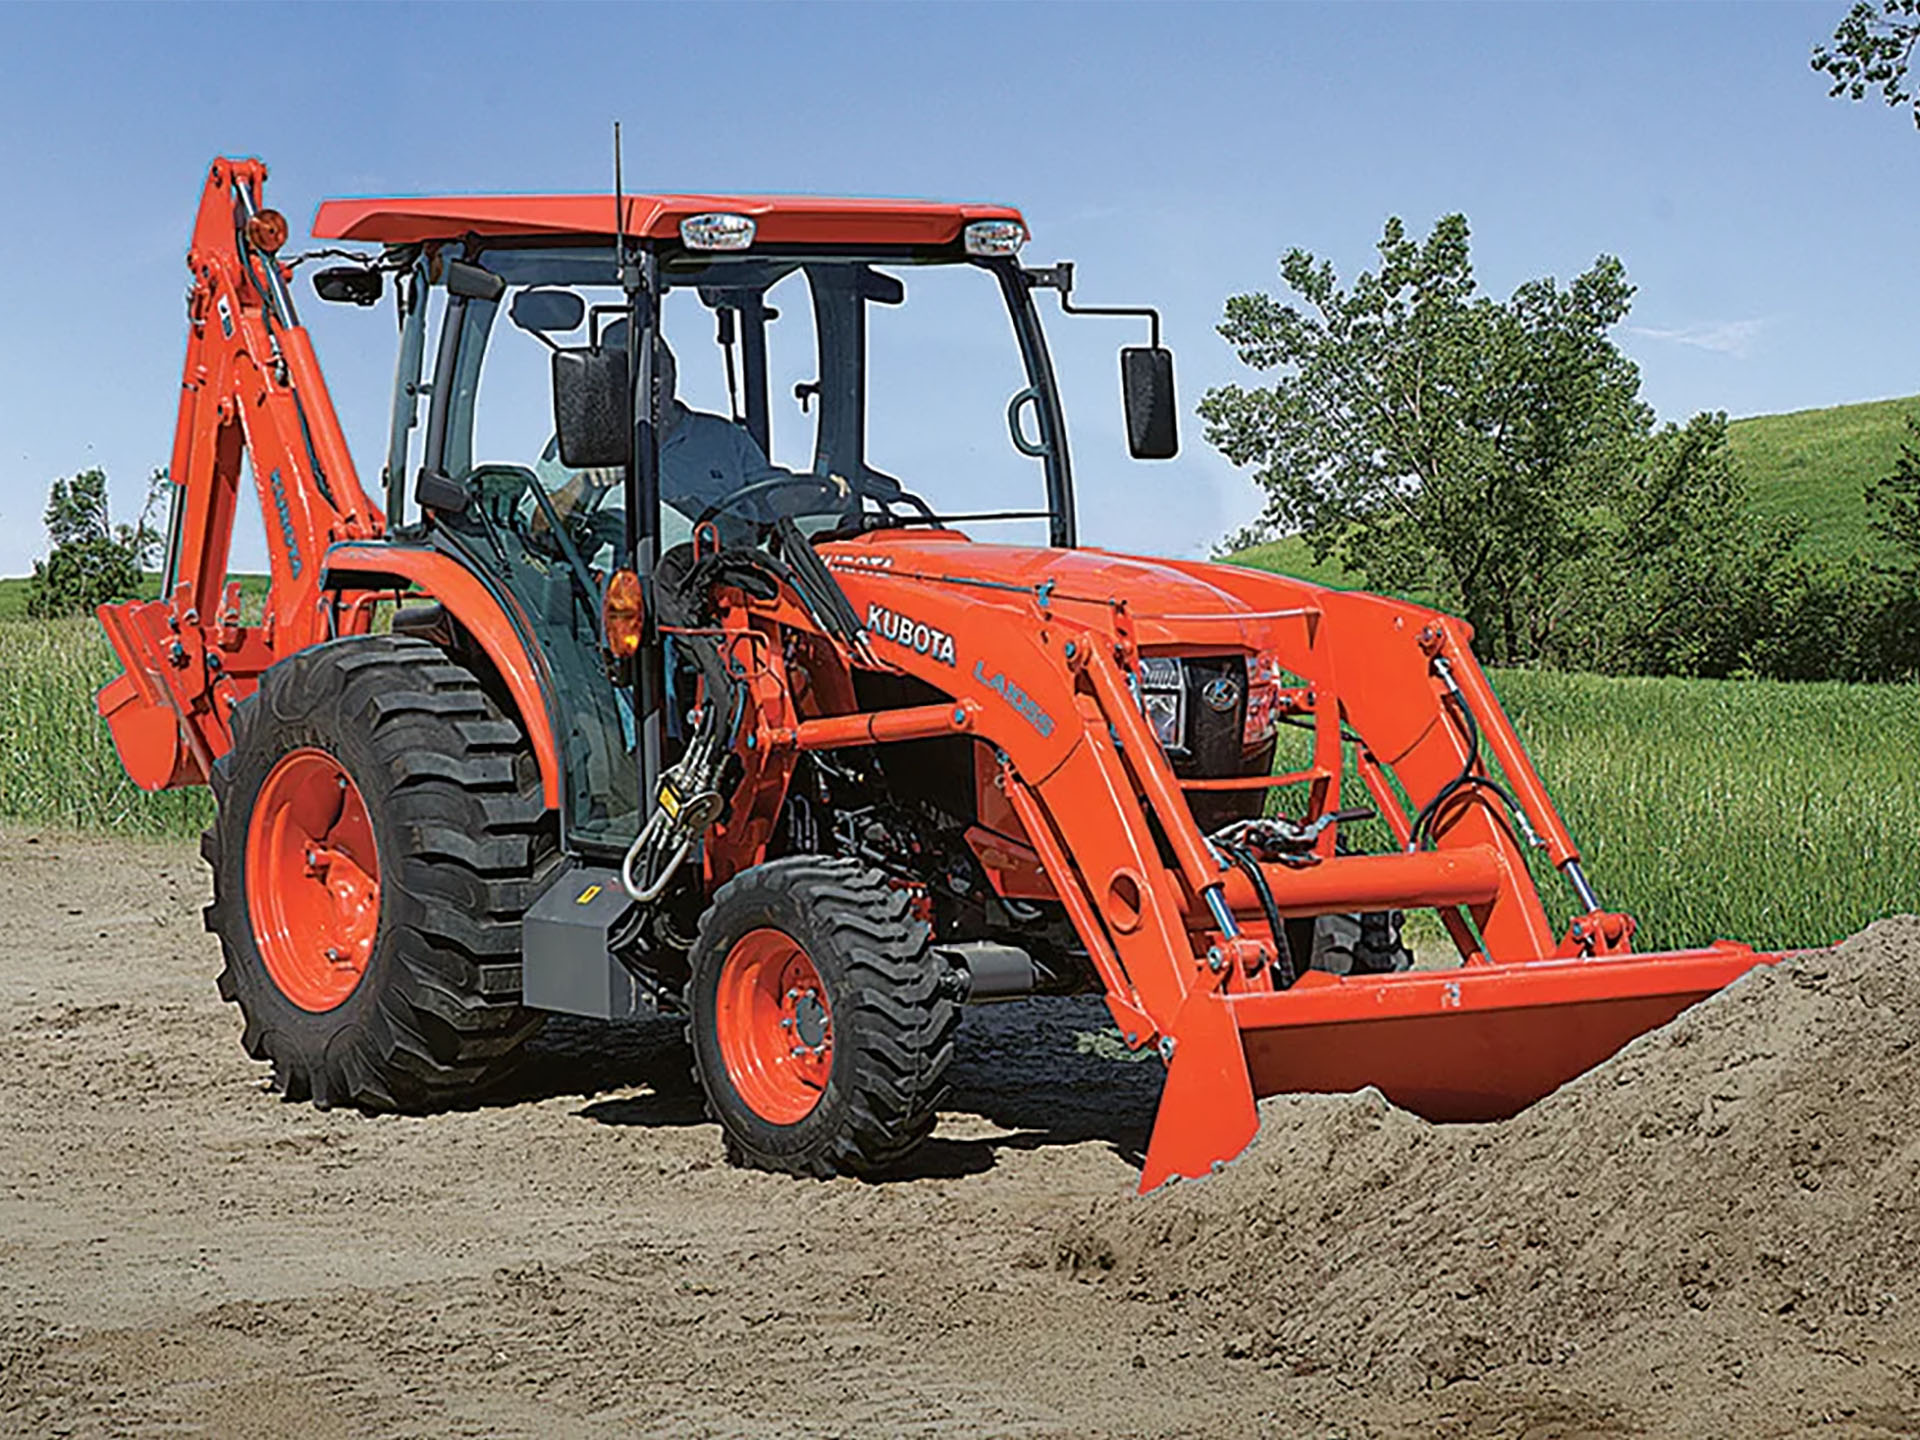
(498, 488)
(754, 489)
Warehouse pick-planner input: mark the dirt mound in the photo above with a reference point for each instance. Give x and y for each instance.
(1718, 1230)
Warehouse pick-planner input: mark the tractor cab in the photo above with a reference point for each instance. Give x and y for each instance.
(601, 404)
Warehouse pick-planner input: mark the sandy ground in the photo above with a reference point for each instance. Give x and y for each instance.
(181, 1253)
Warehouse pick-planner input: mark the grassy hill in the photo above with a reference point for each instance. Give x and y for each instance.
(1811, 463)
(1289, 556)
(1816, 463)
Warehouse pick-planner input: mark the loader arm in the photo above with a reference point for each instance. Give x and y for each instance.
(1043, 648)
(252, 400)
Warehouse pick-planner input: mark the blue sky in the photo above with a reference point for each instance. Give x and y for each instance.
(1172, 151)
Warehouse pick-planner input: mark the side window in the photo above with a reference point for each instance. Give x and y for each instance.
(513, 411)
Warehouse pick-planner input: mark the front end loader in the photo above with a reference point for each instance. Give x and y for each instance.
(629, 703)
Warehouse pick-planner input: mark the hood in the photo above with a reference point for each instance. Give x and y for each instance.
(1170, 604)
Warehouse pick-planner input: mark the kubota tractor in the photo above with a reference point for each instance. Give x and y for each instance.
(623, 705)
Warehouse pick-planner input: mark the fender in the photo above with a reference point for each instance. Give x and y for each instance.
(470, 602)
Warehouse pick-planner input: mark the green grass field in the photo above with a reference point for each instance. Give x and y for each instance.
(1289, 556)
(1779, 814)
(13, 594)
(1753, 810)
(61, 767)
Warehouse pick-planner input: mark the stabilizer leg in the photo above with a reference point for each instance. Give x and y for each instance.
(1206, 1114)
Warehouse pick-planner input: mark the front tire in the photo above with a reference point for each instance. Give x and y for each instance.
(1360, 944)
(821, 1021)
(379, 835)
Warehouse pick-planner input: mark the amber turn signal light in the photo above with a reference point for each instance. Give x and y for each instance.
(622, 614)
(267, 231)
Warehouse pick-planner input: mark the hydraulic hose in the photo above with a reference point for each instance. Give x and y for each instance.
(1467, 779)
(1239, 857)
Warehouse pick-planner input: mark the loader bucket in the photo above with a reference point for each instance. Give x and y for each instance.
(1480, 1042)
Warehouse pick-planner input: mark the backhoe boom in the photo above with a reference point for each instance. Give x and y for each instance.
(252, 399)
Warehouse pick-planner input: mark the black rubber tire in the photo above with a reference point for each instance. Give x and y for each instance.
(464, 842)
(1360, 944)
(894, 1016)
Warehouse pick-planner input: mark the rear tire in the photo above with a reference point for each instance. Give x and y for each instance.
(375, 953)
(822, 957)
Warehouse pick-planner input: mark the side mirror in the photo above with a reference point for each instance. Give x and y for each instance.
(592, 407)
(1146, 385)
(540, 312)
(473, 282)
(349, 284)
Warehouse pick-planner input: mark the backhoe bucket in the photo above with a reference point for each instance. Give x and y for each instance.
(1479, 1042)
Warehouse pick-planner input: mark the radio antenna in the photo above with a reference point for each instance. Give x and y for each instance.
(619, 212)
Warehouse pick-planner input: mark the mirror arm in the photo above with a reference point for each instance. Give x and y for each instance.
(1060, 277)
(1066, 304)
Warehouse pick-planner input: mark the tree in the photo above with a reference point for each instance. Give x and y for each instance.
(1680, 578)
(1893, 507)
(1893, 502)
(93, 561)
(1435, 440)
(1872, 49)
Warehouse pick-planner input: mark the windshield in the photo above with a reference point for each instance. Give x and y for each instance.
(843, 391)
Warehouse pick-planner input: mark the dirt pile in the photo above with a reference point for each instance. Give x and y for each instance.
(1722, 1223)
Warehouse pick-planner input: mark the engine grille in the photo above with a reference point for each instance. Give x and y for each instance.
(1198, 708)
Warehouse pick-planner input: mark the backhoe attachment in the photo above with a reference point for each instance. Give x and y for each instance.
(251, 398)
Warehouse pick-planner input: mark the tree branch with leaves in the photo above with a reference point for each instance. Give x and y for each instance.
(1871, 50)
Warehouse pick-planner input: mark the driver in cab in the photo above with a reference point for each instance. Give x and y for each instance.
(703, 459)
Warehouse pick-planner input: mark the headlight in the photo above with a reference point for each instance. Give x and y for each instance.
(1163, 698)
(1266, 677)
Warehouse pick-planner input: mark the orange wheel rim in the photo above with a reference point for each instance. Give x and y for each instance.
(774, 1026)
(313, 879)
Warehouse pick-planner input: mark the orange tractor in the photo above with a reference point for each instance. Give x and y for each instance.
(606, 710)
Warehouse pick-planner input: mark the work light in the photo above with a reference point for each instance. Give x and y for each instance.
(995, 237)
(717, 232)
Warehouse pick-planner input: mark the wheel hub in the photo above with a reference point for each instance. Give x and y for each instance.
(313, 879)
(809, 1018)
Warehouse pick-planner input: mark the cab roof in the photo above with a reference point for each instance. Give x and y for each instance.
(783, 219)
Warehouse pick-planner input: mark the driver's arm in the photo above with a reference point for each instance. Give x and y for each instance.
(581, 493)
